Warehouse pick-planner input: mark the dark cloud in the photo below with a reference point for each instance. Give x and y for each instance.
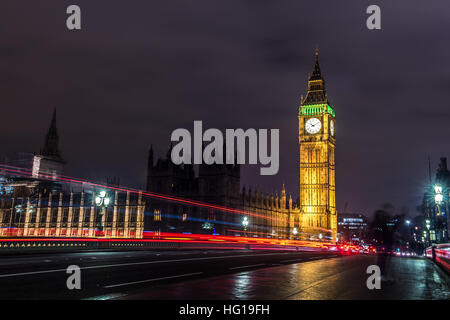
(137, 70)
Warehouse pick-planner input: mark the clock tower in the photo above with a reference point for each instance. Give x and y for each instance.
(317, 166)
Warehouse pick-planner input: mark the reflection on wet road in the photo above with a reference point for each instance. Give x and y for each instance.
(339, 278)
(236, 274)
(109, 274)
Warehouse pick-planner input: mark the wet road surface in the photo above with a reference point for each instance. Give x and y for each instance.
(341, 278)
(215, 274)
(109, 274)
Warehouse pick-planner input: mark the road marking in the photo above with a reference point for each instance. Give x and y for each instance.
(250, 266)
(107, 296)
(292, 260)
(298, 260)
(29, 273)
(151, 280)
(140, 263)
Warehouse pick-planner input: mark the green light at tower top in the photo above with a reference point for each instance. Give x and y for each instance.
(316, 109)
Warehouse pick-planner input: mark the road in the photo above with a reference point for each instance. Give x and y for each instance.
(242, 274)
(315, 279)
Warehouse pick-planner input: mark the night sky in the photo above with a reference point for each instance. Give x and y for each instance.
(140, 69)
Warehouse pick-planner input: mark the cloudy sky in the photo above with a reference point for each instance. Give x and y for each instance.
(140, 69)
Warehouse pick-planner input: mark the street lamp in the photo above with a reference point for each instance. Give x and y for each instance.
(426, 233)
(438, 196)
(320, 236)
(102, 201)
(294, 231)
(245, 223)
(408, 222)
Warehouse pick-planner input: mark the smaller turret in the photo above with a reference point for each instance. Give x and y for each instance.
(51, 149)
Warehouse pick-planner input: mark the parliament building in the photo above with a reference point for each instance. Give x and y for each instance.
(312, 216)
(31, 206)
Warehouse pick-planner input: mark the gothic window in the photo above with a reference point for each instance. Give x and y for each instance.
(54, 215)
(86, 215)
(157, 215)
(76, 215)
(133, 214)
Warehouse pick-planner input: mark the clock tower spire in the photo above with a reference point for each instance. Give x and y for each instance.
(317, 166)
(316, 85)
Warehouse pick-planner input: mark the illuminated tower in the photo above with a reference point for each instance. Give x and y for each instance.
(317, 166)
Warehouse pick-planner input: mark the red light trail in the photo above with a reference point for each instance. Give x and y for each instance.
(23, 172)
(220, 242)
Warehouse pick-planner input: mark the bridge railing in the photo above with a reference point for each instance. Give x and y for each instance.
(440, 253)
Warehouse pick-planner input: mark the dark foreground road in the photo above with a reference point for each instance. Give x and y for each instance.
(341, 278)
(106, 275)
(216, 275)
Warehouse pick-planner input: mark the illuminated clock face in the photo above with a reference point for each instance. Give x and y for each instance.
(313, 125)
(332, 127)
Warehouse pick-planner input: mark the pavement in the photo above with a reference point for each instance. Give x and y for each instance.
(216, 274)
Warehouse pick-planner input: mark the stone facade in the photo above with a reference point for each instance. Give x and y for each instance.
(218, 185)
(72, 215)
(313, 217)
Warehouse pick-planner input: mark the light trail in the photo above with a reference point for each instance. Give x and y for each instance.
(23, 172)
(27, 173)
(222, 242)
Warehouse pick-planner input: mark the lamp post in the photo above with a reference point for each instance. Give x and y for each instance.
(295, 232)
(438, 196)
(439, 218)
(427, 232)
(245, 223)
(102, 201)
